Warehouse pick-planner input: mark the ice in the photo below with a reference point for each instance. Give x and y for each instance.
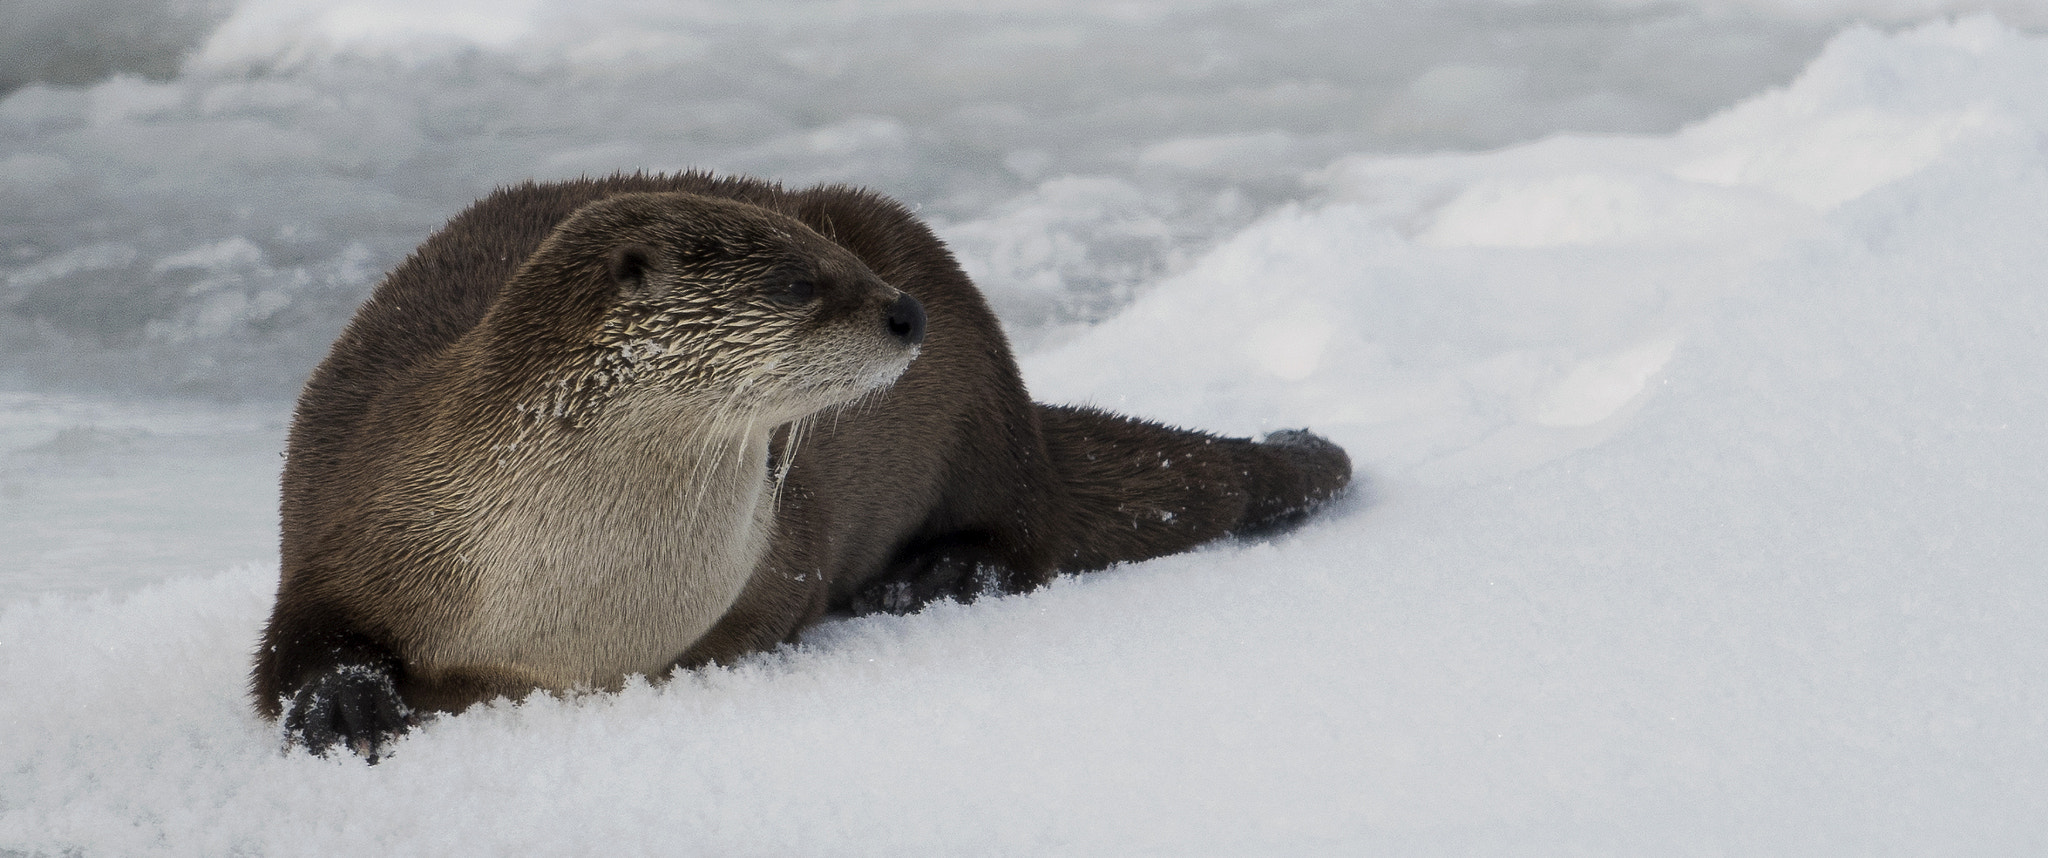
(98, 494)
(1704, 456)
(334, 137)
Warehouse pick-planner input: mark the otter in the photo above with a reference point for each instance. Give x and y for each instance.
(606, 427)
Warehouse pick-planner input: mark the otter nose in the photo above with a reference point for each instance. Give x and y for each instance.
(906, 320)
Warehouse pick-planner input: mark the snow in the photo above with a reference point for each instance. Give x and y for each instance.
(1704, 455)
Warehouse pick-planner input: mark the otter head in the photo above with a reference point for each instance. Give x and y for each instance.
(711, 305)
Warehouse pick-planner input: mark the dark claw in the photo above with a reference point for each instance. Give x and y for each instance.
(354, 706)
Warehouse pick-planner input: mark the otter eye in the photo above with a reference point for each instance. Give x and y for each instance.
(796, 292)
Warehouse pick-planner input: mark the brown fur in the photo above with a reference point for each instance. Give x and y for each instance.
(580, 434)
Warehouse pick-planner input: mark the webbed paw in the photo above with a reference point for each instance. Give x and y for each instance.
(352, 706)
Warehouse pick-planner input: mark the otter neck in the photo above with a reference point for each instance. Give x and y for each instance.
(610, 547)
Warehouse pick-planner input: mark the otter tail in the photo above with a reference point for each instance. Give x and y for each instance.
(1140, 490)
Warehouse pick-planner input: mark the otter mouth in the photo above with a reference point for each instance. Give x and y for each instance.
(903, 328)
(826, 378)
(887, 374)
(872, 379)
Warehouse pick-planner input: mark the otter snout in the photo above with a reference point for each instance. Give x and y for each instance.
(906, 320)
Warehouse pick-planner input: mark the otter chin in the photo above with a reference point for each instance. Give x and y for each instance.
(613, 427)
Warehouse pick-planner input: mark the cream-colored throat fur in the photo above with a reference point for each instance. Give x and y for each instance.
(609, 549)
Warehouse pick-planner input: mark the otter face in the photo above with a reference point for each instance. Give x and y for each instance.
(728, 307)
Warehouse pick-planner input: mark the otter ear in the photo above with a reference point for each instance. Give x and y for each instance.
(630, 265)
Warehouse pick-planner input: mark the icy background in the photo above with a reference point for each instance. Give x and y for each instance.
(1694, 351)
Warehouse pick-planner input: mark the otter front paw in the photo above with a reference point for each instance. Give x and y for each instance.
(354, 706)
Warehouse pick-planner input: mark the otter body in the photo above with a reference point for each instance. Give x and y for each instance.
(608, 427)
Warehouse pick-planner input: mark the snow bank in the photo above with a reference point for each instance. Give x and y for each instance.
(1708, 474)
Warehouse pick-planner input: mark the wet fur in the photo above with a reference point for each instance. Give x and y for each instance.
(512, 473)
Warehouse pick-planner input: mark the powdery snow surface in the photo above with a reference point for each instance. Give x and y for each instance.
(1706, 478)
